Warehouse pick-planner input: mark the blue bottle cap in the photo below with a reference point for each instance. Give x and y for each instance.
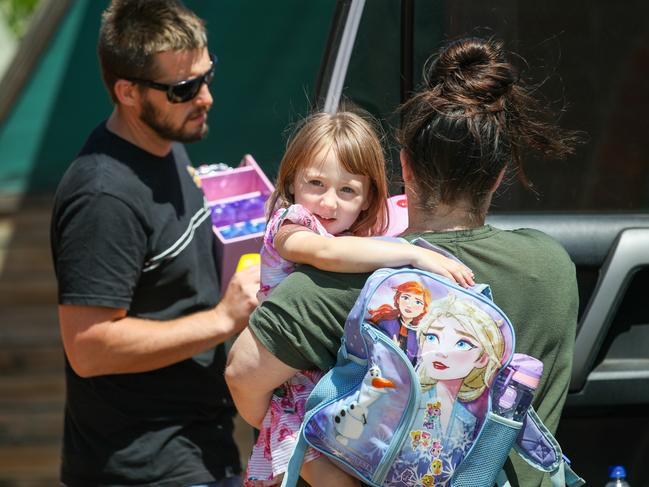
(617, 472)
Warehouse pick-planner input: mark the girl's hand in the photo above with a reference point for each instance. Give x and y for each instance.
(431, 261)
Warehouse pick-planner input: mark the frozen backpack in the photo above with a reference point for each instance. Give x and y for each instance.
(408, 402)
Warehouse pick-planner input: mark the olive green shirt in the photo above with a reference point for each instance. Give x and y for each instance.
(532, 280)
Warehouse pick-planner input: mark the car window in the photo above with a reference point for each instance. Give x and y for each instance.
(584, 63)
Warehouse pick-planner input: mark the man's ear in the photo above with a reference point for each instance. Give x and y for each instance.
(127, 92)
(406, 173)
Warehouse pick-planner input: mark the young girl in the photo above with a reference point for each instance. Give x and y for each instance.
(331, 183)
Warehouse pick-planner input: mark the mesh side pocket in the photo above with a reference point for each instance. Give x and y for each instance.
(487, 457)
(336, 383)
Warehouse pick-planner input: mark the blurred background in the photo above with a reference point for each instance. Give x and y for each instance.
(51, 95)
(591, 58)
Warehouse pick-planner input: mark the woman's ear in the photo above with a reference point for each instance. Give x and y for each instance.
(499, 180)
(126, 92)
(406, 173)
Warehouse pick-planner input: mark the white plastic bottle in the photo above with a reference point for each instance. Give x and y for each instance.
(617, 477)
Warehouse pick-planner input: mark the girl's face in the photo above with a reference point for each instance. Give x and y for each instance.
(449, 351)
(334, 196)
(411, 305)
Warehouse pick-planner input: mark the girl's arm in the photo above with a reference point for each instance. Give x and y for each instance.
(359, 254)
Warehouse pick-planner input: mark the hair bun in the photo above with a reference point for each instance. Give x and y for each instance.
(473, 69)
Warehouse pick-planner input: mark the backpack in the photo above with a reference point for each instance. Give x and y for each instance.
(408, 402)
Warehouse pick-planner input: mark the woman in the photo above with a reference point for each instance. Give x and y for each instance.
(471, 121)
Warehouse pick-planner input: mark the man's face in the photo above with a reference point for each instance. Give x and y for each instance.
(182, 122)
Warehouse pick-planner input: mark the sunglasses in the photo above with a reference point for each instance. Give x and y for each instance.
(184, 90)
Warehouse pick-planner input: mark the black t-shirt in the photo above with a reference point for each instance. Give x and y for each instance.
(131, 230)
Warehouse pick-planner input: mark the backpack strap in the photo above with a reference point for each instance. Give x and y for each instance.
(564, 476)
(294, 467)
(538, 447)
(571, 479)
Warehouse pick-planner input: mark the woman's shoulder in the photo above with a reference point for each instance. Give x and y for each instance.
(538, 254)
(534, 241)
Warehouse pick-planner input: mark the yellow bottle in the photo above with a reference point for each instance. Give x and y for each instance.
(246, 260)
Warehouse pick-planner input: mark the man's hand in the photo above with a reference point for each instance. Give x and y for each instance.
(240, 297)
(100, 341)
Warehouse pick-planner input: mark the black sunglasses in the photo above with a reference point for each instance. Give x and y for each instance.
(184, 90)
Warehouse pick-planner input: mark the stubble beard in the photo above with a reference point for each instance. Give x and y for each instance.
(151, 116)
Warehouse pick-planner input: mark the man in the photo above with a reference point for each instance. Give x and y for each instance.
(134, 254)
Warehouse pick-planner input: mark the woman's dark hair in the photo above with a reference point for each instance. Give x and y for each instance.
(473, 117)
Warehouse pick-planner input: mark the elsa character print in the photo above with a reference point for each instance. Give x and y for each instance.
(460, 350)
(400, 322)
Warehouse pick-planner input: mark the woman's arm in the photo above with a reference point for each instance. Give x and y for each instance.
(252, 373)
(359, 254)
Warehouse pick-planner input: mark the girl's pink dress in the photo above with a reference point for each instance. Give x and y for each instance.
(283, 419)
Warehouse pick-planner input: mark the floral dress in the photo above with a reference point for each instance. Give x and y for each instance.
(274, 268)
(281, 425)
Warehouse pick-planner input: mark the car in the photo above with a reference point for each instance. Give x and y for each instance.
(591, 59)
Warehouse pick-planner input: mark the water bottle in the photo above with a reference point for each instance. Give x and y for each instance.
(514, 387)
(617, 476)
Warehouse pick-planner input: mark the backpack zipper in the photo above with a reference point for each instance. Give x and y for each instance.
(403, 429)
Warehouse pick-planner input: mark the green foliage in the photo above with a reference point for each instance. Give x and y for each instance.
(17, 14)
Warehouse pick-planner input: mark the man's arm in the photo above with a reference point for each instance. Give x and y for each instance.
(101, 341)
(252, 373)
